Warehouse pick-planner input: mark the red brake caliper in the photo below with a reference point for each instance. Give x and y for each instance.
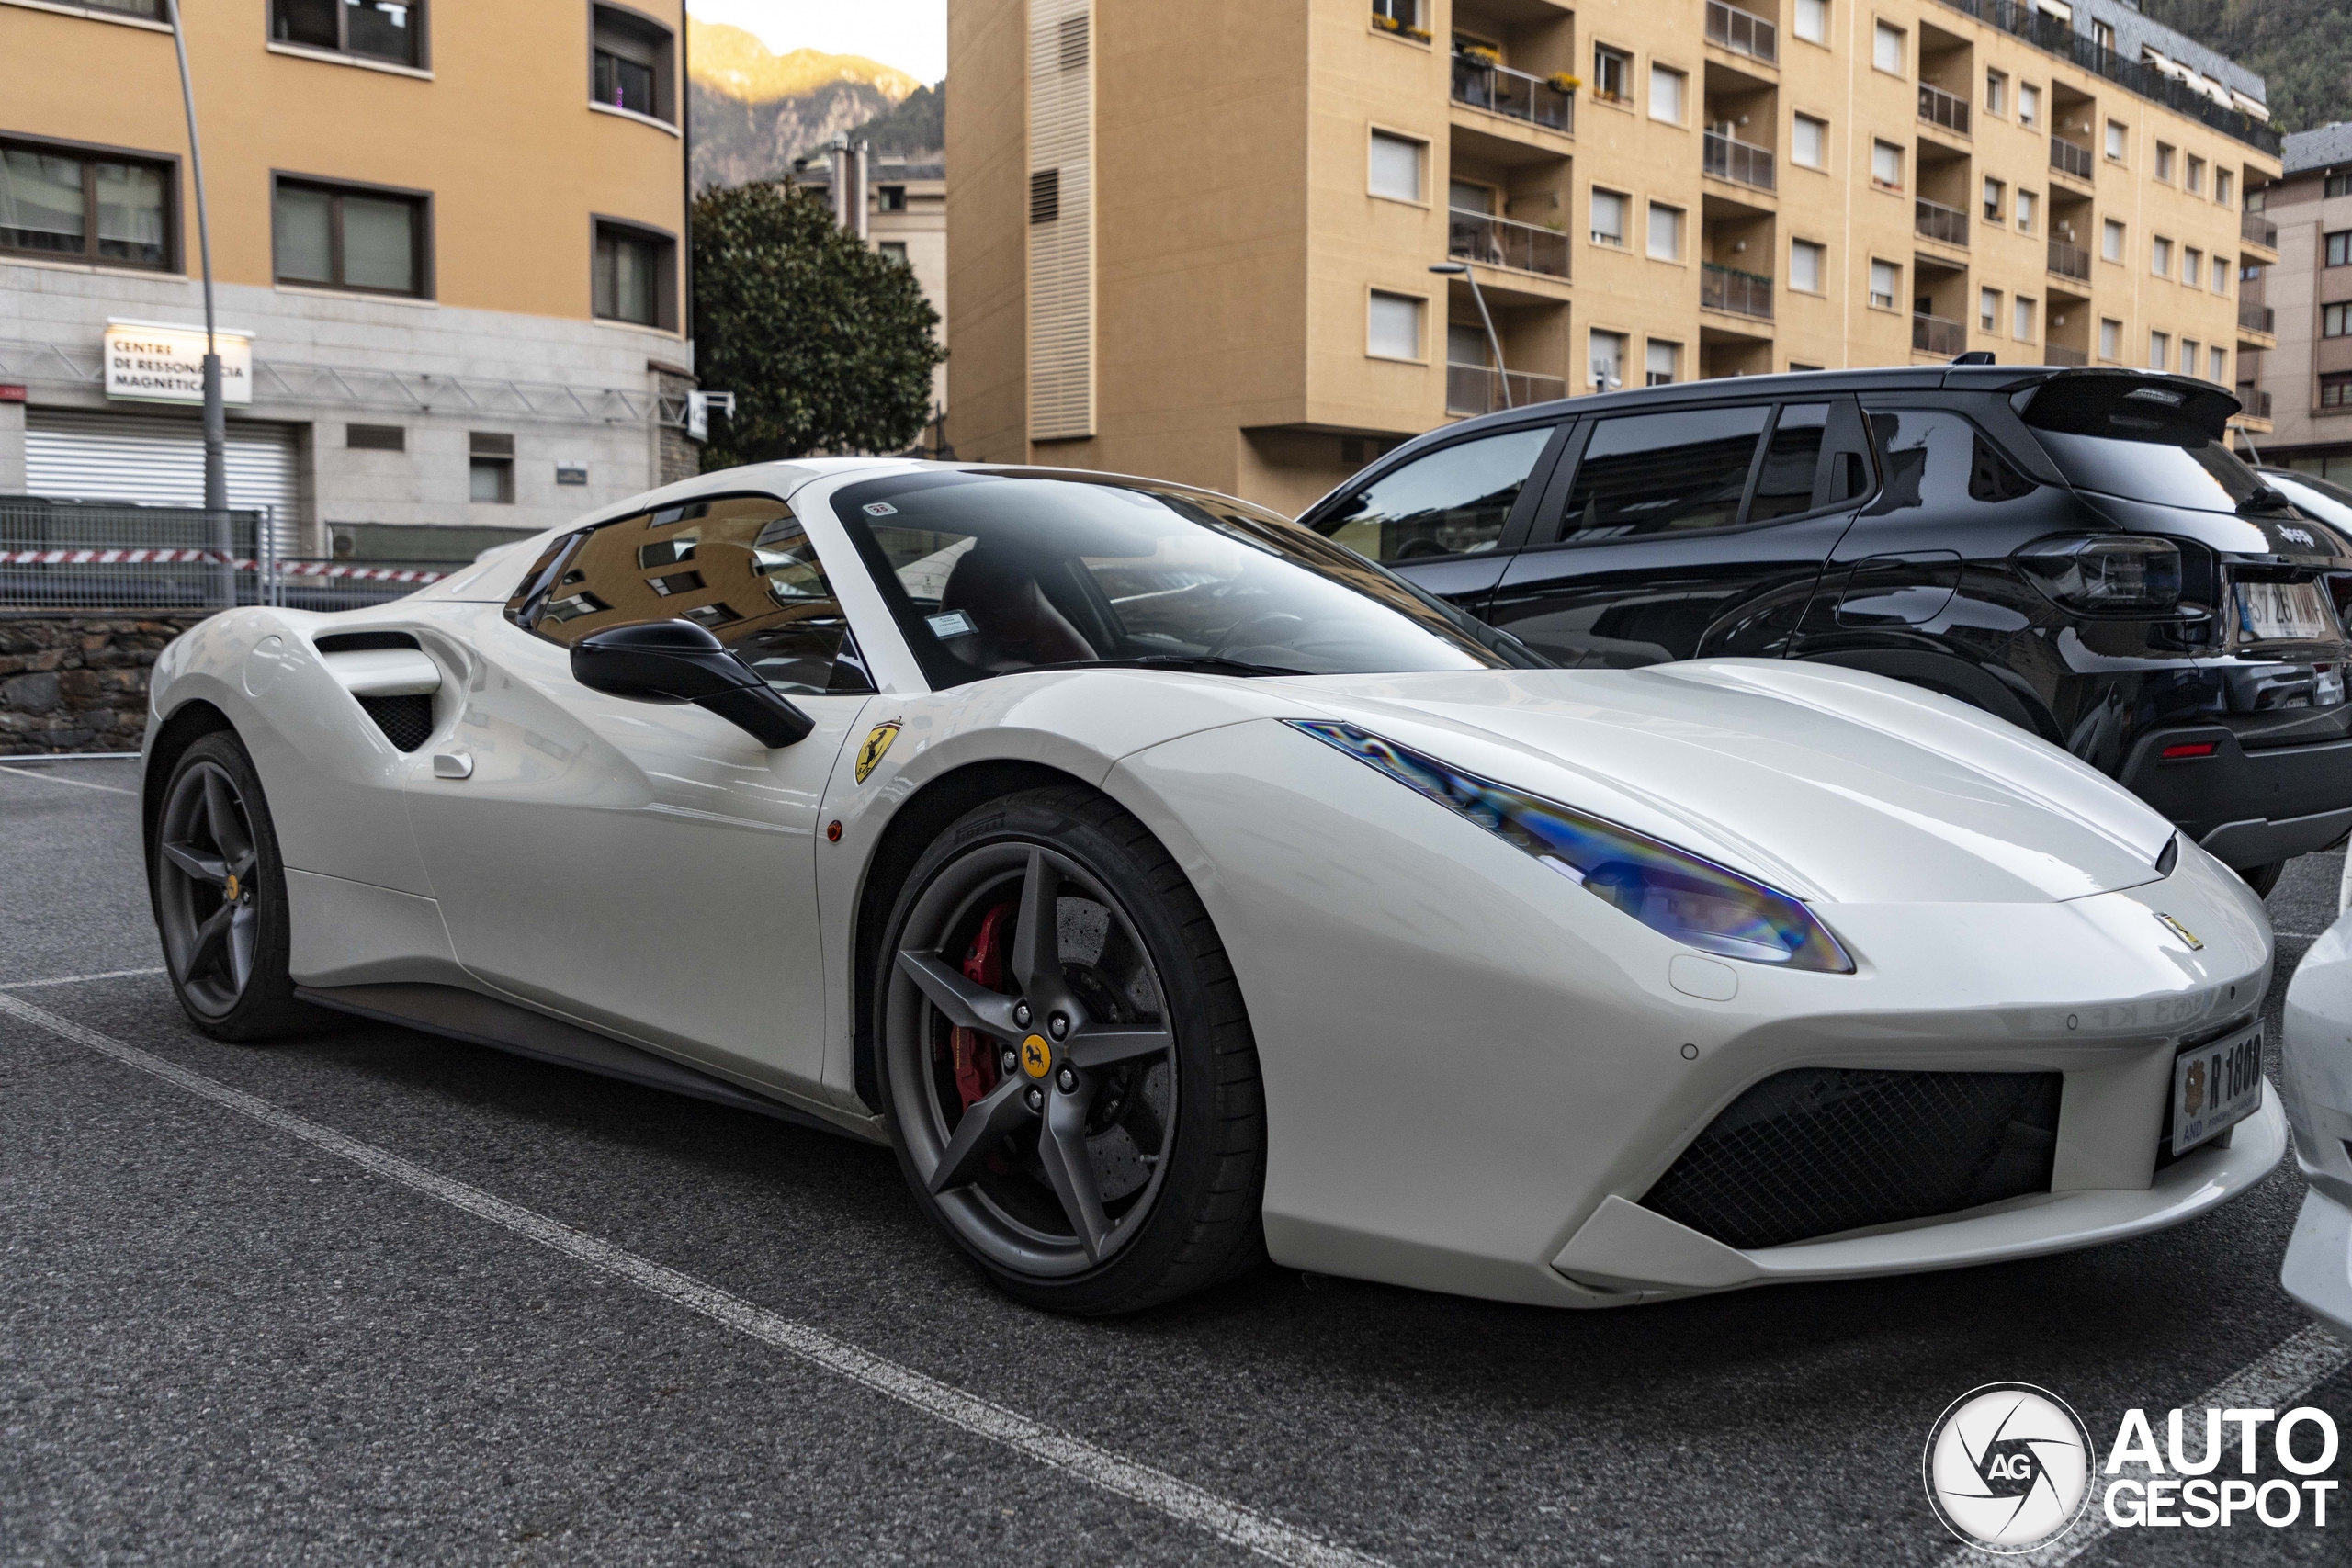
(976, 1072)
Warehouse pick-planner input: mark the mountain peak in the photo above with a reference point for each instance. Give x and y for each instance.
(723, 58)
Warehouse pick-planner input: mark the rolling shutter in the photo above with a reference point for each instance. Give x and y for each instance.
(1061, 219)
(158, 460)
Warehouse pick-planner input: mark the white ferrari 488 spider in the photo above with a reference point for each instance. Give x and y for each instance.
(1171, 887)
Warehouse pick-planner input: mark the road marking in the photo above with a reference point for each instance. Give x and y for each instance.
(1244, 1527)
(2273, 1381)
(77, 979)
(77, 784)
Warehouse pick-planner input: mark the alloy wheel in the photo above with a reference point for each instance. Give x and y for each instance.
(206, 892)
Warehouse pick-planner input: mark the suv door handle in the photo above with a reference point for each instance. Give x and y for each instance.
(453, 764)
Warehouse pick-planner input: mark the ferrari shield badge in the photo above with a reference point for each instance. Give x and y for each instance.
(877, 742)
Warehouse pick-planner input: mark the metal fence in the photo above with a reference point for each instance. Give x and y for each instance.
(1934, 334)
(1742, 293)
(1948, 111)
(1728, 158)
(1503, 241)
(1742, 32)
(2070, 261)
(2069, 159)
(1515, 95)
(1934, 220)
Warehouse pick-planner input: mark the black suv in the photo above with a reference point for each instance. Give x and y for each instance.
(2074, 550)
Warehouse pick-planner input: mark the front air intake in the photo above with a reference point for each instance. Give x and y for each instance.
(1818, 1150)
(406, 721)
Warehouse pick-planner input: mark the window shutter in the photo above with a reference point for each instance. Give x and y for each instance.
(1061, 219)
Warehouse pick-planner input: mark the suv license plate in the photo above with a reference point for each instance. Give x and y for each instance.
(2285, 612)
(2215, 1088)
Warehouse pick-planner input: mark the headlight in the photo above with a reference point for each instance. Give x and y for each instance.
(2111, 574)
(1673, 892)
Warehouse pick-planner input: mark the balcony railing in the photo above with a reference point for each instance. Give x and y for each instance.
(2256, 317)
(2257, 401)
(2070, 261)
(2256, 230)
(2069, 159)
(1933, 334)
(1741, 293)
(1742, 32)
(1514, 94)
(1502, 242)
(1943, 110)
(1728, 158)
(2059, 354)
(1934, 220)
(1478, 389)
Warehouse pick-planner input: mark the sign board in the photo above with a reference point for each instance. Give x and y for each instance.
(155, 362)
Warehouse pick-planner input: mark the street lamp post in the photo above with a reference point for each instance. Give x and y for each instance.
(1456, 269)
(223, 541)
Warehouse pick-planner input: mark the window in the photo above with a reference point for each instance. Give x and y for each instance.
(894, 249)
(1988, 310)
(2336, 390)
(1996, 92)
(2111, 340)
(489, 466)
(2339, 248)
(1661, 361)
(73, 205)
(2022, 319)
(1809, 142)
(1784, 484)
(1612, 74)
(2160, 257)
(1886, 165)
(1808, 266)
(345, 237)
(2335, 321)
(1813, 21)
(635, 276)
(375, 438)
(391, 30)
(2220, 274)
(889, 199)
(1453, 501)
(2336, 185)
(2115, 135)
(2224, 186)
(632, 65)
(1886, 49)
(2103, 35)
(1885, 279)
(2029, 211)
(2029, 104)
(2217, 365)
(2159, 350)
(1402, 13)
(2188, 351)
(2164, 161)
(2196, 181)
(1666, 92)
(1397, 163)
(1652, 473)
(1608, 218)
(2192, 265)
(2111, 239)
(1997, 195)
(1393, 326)
(1665, 231)
(1607, 361)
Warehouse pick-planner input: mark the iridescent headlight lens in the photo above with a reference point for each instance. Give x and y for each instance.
(1673, 892)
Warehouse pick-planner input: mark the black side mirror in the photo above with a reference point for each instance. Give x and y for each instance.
(678, 661)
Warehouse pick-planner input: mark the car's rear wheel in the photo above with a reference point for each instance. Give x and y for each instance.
(220, 892)
(1066, 1068)
(2263, 878)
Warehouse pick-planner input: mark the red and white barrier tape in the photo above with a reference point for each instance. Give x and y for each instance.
(146, 557)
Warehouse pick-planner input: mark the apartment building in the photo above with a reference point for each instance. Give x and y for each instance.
(903, 214)
(447, 241)
(1197, 242)
(2302, 386)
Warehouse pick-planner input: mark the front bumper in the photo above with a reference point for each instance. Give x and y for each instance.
(2247, 806)
(2318, 1271)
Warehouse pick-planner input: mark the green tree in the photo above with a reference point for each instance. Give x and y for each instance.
(827, 346)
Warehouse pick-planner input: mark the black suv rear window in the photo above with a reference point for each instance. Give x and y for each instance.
(2143, 440)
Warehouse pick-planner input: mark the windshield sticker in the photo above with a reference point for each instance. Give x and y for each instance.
(954, 623)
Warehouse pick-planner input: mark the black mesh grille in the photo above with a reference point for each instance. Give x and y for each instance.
(405, 721)
(1820, 1149)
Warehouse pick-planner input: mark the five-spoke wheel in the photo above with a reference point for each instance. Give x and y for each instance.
(220, 894)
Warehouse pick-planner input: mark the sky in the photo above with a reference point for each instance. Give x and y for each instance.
(908, 34)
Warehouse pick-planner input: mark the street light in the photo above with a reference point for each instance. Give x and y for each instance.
(216, 416)
(1456, 269)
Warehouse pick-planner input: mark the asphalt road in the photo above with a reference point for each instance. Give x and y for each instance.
(225, 1335)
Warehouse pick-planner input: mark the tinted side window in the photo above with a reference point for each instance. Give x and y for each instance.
(1453, 502)
(1648, 473)
(1935, 458)
(1784, 484)
(739, 565)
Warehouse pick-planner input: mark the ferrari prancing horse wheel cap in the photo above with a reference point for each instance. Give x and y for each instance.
(1036, 1056)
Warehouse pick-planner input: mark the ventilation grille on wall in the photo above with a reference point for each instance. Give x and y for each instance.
(1061, 219)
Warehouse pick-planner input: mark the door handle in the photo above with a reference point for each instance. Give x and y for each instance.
(453, 764)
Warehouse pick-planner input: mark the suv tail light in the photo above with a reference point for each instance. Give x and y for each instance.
(2106, 574)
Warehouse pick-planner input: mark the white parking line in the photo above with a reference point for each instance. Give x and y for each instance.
(1181, 1500)
(77, 784)
(2273, 1381)
(77, 979)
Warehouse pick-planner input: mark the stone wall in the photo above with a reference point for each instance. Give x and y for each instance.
(76, 680)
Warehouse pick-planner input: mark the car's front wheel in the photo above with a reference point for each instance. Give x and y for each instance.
(1066, 1068)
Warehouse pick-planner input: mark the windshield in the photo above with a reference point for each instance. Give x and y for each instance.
(2324, 499)
(2119, 438)
(993, 572)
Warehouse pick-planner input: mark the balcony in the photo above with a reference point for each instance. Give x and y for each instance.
(1502, 242)
(1727, 158)
(1742, 32)
(1741, 293)
(2256, 317)
(1514, 94)
(2059, 354)
(1473, 389)
(1933, 334)
(2256, 230)
(1934, 220)
(2069, 159)
(1943, 110)
(2255, 402)
(2070, 261)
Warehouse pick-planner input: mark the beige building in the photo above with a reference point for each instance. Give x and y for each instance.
(447, 241)
(2303, 386)
(905, 216)
(1196, 241)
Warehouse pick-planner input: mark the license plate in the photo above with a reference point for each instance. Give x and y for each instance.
(2286, 612)
(2215, 1088)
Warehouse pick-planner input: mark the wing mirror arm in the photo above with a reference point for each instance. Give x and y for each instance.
(678, 661)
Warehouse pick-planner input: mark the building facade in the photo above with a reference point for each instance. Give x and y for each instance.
(448, 243)
(1197, 243)
(2304, 386)
(898, 205)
